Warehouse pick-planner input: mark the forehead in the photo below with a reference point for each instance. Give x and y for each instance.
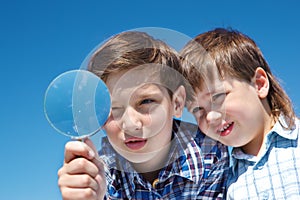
(137, 81)
(210, 81)
(134, 77)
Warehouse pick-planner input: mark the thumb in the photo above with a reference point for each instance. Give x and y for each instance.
(96, 159)
(89, 142)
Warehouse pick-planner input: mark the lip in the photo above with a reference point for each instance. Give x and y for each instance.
(135, 143)
(227, 130)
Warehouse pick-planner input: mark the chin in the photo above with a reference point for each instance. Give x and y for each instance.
(135, 157)
(233, 144)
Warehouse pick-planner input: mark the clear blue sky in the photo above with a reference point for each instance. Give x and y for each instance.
(42, 39)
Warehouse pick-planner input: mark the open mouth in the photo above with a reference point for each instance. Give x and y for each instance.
(135, 143)
(225, 130)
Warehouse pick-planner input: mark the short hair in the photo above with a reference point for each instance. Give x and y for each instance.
(131, 49)
(234, 55)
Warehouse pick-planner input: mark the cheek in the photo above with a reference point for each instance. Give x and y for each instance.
(202, 125)
(240, 107)
(157, 120)
(205, 128)
(112, 129)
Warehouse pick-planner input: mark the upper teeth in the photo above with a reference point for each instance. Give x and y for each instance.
(225, 127)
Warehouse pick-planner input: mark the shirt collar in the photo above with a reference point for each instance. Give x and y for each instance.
(184, 153)
(278, 129)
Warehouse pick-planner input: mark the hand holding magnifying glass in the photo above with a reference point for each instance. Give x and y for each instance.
(77, 104)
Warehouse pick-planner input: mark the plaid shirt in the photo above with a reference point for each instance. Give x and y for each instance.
(197, 169)
(275, 175)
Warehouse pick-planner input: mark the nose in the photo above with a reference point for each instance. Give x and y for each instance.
(214, 118)
(131, 121)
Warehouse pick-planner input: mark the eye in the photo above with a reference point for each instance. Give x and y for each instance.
(146, 101)
(198, 112)
(146, 105)
(196, 109)
(219, 98)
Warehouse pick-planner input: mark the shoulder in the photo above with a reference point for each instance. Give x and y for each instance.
(184, 126)
(207, 145)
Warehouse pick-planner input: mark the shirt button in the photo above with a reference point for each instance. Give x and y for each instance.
(155, 182)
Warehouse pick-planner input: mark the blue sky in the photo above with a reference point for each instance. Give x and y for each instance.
(42, 39)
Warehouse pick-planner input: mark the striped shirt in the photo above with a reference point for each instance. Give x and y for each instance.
(196, 169)
(274, 175)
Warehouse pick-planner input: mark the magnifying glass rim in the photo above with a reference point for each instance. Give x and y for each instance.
(82, 136)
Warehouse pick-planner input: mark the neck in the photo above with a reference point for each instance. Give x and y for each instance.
(255, 147)
(151, 176)
(150, 169)
(258, 145)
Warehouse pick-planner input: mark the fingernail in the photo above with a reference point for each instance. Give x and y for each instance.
(91, 154)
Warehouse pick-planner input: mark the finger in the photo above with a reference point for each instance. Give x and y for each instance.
(89, 143)
(78, 194)
(78, 181)
(75, 149)
(79, 166)
(82, 166)
(97, 160)
(101, 181)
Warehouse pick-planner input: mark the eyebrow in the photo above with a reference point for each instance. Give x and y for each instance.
(144, 94)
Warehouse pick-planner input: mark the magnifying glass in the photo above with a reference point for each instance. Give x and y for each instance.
(77, 104)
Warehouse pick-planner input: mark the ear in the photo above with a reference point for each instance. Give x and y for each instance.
(179, 101)
(261, 82)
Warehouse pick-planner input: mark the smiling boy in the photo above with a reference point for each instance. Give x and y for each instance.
(239, 102)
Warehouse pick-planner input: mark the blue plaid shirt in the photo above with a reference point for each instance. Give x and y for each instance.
(274, 175)
(197, 169)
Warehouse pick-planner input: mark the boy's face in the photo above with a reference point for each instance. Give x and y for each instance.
(140, 125)
(230, 111)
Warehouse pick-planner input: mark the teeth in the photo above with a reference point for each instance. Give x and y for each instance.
(225, 127)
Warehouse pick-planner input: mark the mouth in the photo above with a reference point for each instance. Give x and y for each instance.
(226, 129)
(135, 143)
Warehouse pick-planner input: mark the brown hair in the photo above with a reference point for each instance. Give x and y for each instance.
(235, 55)
(131, 49)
